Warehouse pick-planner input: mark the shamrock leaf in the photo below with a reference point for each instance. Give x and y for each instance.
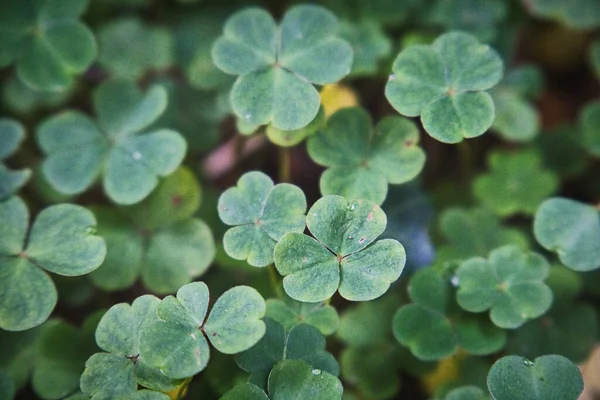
(291, 138)
(281, 63)
(475, 232)
(63, 350)
(291, 379)
(576, 14)
(342, 255)
(550, 377)
(445, 84)
(261, 214)
(79, 150)
(477, 17)
(370, 45)
(46, 41)
(564, 151)
(157, 239)
(572, 230)
(517, 183)
(589, 122)
(128, 48)
(18, 353)
(290, 313)
(433, 330)
(509, 284)
(11, 136)
(21, 99)
(60, 241)
(302, 342)
(362, 160)
(516, 118)
(467, 393)
(120, 369)
(176, 344)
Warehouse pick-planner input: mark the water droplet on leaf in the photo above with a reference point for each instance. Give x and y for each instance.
(316, 371)
(90, 230)
(528, 363)
(137, 155)
(454, 280)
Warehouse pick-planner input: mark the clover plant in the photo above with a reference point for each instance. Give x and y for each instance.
(275, 200)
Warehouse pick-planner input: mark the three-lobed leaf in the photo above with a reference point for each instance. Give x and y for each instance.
(12, 134)
(445, 84)
(343, 255)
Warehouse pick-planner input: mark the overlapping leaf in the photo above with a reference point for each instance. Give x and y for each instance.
(60, 241)
(177, 345)
(289, 313)
(572, 230)
(517, 183)
(577, 14)
(79, 150)
(343, 255)
(510, 284)
(261, 213)
(47, 42)
(370, 44)
(589, 122)
(445, 84)
(11, 136)
(550, 377)
(432, 330)
(302, 342)
(362, 160)
(119, 370)
(278, 64)
(157, 239)
(477, 17)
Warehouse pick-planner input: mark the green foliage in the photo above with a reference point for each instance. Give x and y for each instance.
(157, 239)
(563, 151)
(445, 84)
(128, 48)
(370, 45)
(467, 393)
(60, 241)
(176, 342)
(433, 329)
(291, 138)
(572, 230)
(278, 65)
(548, 377)
(477, 17)
(576, 14)
(595, 57)
(129, 163)
(343, 254)
(362, 160)
(290, 313)
(517, 183)
(509, 284)
(589, 122)
(46, 41)
(11, 136)
(261, 213)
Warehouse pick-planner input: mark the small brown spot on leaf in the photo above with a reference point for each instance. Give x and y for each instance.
(176, 200)
(362, 239)
(214, 334)
(303, 259)
(370, 216)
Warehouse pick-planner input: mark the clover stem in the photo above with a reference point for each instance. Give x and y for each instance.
(183, 387)
(285, 164)
(466, 159)
(273, 278)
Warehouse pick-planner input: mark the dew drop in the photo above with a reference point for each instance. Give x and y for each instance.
(352, 207)
(454, 280)
(137, 155)
(528, 363)
(90, 230)
(316, 371)
(350, 237)
(391, 77)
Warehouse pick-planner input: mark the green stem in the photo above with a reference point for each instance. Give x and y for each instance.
(273, 279)
(182, 388)
(285, 164)
(466, 159)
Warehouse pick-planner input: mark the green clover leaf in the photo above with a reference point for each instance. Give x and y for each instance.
(564, 150)
(261, 214)
(572, 230)
(291, 138)
(60, 241)
(12, 134)
(477, 17)
(510, 284)
(79, 150)
(342, 256)
(445, 84)
(289, 313)
(21, 99)
(157, 239)
(517, 183)
(18, 353)
(475, 232)
(576, 14)
(63, 350)
(589, 122)
(550, 377)
(432, 330)
(362, 160)
(278, 65)
(245, 391)
(370, 44)
(118, 371)
(47, 42)
(128, 48)
(177, 345)
(595, 57)
(517, 120)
